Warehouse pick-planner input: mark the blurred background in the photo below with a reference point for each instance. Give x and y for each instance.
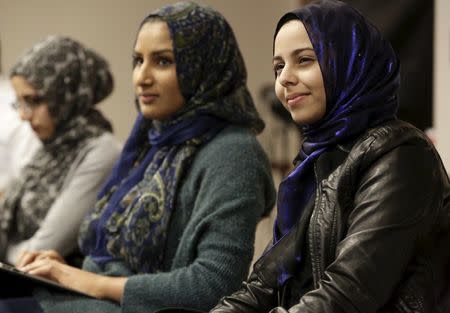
(110, 26)
(418, 29)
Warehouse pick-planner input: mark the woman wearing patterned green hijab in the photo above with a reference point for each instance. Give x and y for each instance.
(175, 222)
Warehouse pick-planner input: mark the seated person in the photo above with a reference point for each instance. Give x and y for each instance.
(175, 223)
(363, 219)
(58, 83)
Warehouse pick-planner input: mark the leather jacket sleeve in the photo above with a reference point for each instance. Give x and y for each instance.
(398, 202)
(253, 297)
(399, 210)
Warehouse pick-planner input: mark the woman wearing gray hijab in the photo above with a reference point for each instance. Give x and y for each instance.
(57, 82)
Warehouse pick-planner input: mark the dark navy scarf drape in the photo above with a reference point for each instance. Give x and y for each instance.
(129, 171)
(361, 77)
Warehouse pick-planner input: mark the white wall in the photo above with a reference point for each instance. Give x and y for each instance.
(109, 26)
(442, 79)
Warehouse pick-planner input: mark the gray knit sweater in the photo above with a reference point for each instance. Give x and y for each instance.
(211, 234)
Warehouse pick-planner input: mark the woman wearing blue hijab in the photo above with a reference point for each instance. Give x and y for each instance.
(363, 218)
(175, 222)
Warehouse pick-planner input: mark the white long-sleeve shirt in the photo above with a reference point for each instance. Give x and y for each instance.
(18, 142)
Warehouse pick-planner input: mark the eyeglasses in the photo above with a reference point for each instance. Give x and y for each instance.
(27, 104)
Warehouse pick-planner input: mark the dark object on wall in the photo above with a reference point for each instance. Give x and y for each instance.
(280, 160)
(408, 25)
(268, 95)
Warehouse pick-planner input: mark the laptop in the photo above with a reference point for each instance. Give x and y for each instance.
(17, 283)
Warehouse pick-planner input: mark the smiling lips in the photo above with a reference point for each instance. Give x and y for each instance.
(147, 98)
(296, 98)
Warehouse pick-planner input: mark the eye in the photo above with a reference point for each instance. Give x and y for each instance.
(305, 60)
(137, 60)
(277, 68)
(33, 100)
(164, 61)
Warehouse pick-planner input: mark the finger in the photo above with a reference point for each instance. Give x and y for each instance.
(52, 255)
(48, 269)
(27, 257)
(46, 254)
(42, 267)
(44, 270)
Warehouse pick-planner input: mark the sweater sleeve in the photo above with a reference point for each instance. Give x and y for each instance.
(230, 187)
(59, 229)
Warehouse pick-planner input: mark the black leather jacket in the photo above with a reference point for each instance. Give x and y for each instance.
(377, 233)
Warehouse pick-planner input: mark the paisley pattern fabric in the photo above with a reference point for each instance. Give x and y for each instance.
(55, 67)
(131, 219)
(361, 79)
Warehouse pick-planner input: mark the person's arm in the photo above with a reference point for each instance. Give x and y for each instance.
(233, 188)
(49, 264)
(253, 297)
(59, 229)
(396, 203)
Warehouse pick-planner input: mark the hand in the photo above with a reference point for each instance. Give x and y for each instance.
(64, 274)
(98, 286)
(28, 257)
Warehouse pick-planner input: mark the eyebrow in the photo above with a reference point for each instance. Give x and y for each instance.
(296, 51)
(157, 52)
(29, 96)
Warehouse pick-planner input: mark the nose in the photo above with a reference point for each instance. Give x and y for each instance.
(287, 77)
(25, 113)
(144, 75)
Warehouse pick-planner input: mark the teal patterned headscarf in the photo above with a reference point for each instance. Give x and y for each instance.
(130, 220)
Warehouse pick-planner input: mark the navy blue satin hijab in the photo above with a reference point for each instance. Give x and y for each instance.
(361, 78)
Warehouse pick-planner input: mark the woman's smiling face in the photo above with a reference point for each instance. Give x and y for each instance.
(299, 82)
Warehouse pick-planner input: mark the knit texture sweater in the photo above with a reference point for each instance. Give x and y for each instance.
(211, 234)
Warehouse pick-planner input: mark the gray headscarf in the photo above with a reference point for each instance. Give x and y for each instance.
(71, 79)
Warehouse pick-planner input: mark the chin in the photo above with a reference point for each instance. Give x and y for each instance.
(44, 138)
(301, 118)
(298, 119)
(148, 114)
(146, 111)
(43, 135)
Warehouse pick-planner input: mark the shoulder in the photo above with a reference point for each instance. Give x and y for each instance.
(232, 142)
(233, 155)
(232, 162)
(101, 150)
(398, 153)
(106, 140)
(394, 150)
(235, 151)
(390, 139)
(105, 143)
(393, 133)
(230, 172)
